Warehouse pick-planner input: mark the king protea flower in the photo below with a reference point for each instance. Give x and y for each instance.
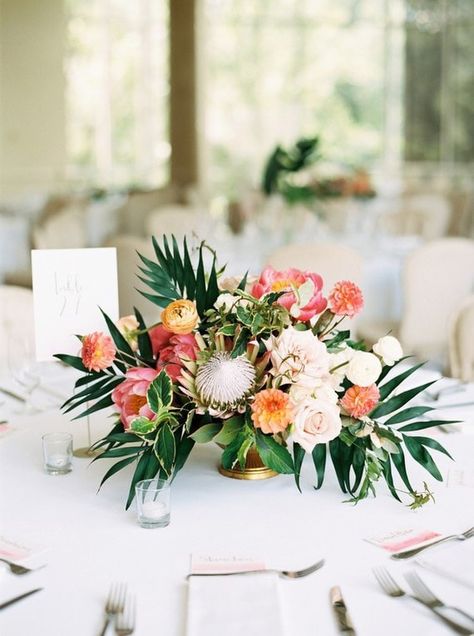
(221, 384)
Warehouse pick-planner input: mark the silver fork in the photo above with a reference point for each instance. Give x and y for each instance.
(289, 574)
(390, 587)
(409, 553)
(114, 604)
(16, 569)
(426, 595)
(125, 622)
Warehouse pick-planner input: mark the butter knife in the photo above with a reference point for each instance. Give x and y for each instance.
(18, 598)
(12, 394)
(340, 611)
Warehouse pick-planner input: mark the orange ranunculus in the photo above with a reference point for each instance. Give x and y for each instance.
(98, 351)
(360, 400)
(271, 411)
(180, 317)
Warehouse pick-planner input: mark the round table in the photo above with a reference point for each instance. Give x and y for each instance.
(92, 541)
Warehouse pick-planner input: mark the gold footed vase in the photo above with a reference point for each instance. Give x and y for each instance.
(254, 468)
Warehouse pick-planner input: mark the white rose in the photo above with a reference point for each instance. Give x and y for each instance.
(322, 389)
(389, 349)
(316, 421)
(338, 365)
(298, 357)
(364, 368)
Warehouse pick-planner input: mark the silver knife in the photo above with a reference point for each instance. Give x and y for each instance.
(340, 610)
(18, 598)
(11, 394)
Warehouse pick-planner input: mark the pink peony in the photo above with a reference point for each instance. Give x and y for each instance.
(130, 396)
(345, 299)
(288, 281)
(169, 348)
(98, 351)
(360, 400)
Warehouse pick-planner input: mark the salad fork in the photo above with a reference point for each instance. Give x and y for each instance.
(15, 568)
(125, 622)
(409, 553)
(114, 604)
(391, 588)
(289, 574)
(426, 595)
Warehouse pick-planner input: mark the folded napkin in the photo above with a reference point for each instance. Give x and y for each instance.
(454, 561)
(243, 604)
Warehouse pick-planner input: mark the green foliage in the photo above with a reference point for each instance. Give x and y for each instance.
(283, 162)
(160, 393)
(273, 454)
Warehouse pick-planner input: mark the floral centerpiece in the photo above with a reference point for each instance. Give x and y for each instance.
(265, 368)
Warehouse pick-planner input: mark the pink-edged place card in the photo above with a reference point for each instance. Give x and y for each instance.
(205, 564)
(69, 286)
(17, 551)
(400, 540)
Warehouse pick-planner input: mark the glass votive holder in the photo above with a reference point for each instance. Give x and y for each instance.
(57, 453)
(153, 503)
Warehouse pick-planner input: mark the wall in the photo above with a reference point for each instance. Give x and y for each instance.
(32, 110)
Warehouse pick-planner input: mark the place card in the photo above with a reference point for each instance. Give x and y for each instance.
(400, 540)
(69, 286)
(206, 564)
(18, 551)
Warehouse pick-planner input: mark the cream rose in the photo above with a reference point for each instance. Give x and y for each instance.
(180, 317)
(298, 357)
(316, 421)
(128, 326)
(228, 302)
(364, 368)
(389, 349)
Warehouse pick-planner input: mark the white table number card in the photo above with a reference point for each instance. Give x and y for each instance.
(69, 286)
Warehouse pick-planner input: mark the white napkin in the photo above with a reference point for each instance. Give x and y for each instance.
(455, 562)
(234, 605)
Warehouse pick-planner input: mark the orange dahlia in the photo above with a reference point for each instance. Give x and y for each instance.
(271, 411)
(345, 299)
(360, 400)
(98, 351)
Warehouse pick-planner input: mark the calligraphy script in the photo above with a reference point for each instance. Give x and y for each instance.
(68, 290)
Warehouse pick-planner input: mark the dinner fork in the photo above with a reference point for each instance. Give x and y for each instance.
(426, 595)
(409, 553)
(391, 588)
(125, 622)
(114, 604)
(289, 574)
(15, 568)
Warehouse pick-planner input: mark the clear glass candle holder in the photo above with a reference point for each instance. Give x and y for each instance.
(57, 453)
(153, 503)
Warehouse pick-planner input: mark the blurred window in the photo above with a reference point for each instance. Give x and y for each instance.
(117, 92)
(281, 69)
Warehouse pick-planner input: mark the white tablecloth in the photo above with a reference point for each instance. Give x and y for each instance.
(92, 541)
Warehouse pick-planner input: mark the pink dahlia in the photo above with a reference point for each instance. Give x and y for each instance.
(360, 400)
(345, 299)
(98, 351)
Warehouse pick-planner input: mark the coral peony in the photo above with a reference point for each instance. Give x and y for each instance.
(98, 351)
(345, 299)
(180, 317)
(169, 348)
(302, 295)
(271, 411)
(360, 400)
(130, 396)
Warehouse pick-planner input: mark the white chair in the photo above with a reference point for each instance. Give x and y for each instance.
(180, 220)
(64, 229)
(436, 278)
(334, 262)
(461, 342)
(424, 215)
(127, 270)
(16, 319)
